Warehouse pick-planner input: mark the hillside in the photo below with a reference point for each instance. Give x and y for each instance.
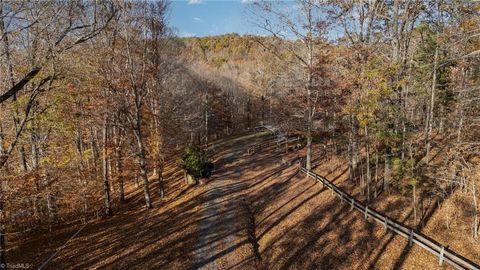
(239, 57)
(255, 212)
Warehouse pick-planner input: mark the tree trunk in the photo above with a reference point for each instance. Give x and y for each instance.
(404, 119)
(142, 160)
(309, 86)
(190, 180)
(143, 174)
(94, 147)
(362, 178)
(461, 108)
(367, 146)
(352, 166)
(106, 183)
(475, 212)
(161, 183)
(309, 149)
(388, 173)
(206, 119)
(51, 209)
(119, 163)
(3, 250)
(23, 158)
(414, 205)
(376, 173)
(119, 166)
(35, 161)
(432, 105)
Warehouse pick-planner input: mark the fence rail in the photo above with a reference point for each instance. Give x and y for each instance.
(271, 141)
(443, 253)
(259, 146)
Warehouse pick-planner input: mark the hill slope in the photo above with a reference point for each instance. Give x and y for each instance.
(256, 211)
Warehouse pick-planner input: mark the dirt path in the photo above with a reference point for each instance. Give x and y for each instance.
(217, 228)
(222, 235)
(208, 228)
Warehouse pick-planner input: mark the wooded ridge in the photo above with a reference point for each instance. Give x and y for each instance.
(103, 105)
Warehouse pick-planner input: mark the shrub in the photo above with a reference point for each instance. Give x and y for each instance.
(407, 173)
(196, 163)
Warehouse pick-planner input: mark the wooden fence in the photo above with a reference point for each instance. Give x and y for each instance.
(259, 146)
(271, 141)
(443, 253)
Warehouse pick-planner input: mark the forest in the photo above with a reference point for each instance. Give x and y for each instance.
(99, 98)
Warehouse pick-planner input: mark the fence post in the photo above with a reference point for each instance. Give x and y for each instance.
(410, 237)
(385, 224)
(442, 251)
(318, 178)
(411, 232)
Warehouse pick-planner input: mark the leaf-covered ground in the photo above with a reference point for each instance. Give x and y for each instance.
(256, 211)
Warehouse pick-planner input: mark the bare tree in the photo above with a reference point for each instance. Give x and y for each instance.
(301, 32)
(29, 23)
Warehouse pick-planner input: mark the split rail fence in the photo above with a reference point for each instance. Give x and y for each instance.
(271, 141)
(442, 252)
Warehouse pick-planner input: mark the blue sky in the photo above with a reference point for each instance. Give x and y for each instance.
(216, 17)
(204, 18)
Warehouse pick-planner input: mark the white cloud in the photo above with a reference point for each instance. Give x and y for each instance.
(246, 1)
(194, 2)
(187, 34)
(196, 19)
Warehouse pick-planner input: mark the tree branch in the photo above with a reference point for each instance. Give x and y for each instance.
(18, 86)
